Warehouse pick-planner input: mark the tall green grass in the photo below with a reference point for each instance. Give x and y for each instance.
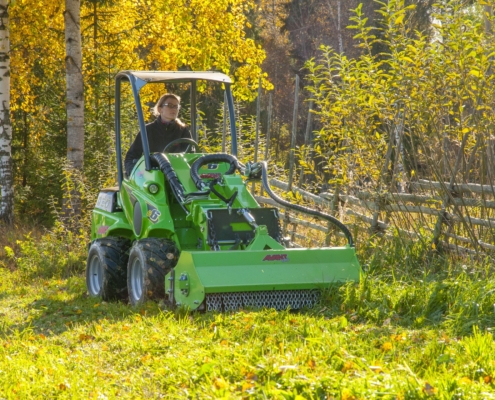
(419, 325)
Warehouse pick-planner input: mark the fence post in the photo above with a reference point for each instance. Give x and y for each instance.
(294, 133)
(398, 167)
(268, 127)
(285, 227)
(376, 214)
(258, 106)
(267, 140)
(306, 139)
(327, 235)
(257, 129)
(446, 201)
(333, 211)
(377, 200)
(490, 159)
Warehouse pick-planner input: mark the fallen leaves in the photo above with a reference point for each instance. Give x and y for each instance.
(387, 346)
(246, 386)
(347, 395)
(219, 383)
(348, 366)
(465, 380)
(429, 390)
(86, 338)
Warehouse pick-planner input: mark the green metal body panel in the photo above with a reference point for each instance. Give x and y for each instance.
(105, 223)
(256, 270)
(263, 241)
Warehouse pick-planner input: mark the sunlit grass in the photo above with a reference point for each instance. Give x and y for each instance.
(384, 338)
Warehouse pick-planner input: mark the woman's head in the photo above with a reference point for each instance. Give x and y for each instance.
(167, 107)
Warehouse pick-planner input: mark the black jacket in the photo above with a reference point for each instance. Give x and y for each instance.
(159, 136)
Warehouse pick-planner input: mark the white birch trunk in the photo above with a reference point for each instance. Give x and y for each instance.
(6, 178)
(75, 85)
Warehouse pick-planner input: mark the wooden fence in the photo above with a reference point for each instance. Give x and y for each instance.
(461, 219)
(457, 217)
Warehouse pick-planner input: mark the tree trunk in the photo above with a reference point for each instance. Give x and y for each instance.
(6, 178)
(75, 86)
(75, 101)
(488, 11)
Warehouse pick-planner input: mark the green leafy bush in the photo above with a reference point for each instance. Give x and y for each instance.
(58, 253)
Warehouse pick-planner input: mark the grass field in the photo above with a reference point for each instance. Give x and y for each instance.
(401, 333)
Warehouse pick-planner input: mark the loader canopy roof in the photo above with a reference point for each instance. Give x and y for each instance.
(178, 76)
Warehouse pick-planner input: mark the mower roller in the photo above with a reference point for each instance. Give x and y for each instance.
(184, 228)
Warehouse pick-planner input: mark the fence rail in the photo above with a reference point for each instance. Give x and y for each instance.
(464, 224)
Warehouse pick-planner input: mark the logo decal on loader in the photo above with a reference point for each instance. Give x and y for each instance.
(153, 214)
(102, 230)
(276, 257)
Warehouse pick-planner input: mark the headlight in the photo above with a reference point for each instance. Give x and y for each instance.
(153, 188)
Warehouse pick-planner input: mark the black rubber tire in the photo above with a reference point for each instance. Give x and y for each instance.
(149, 261)
(106, 268)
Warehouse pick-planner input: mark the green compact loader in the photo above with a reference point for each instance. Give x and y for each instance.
(184, 228)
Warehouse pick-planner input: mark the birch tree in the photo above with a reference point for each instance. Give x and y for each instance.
(75, 84)
(6, 180)
(74, 106)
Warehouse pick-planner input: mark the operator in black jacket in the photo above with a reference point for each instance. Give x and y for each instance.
(166, 128)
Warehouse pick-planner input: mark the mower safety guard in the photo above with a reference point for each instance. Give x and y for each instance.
(199, 273)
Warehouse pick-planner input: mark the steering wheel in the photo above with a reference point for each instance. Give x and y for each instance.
(191, 143)
(213, 161)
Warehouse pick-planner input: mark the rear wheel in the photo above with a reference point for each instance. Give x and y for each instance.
(149, 261)
(106, 268)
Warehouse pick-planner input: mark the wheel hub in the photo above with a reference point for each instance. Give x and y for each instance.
(95, 275)
(136, 280)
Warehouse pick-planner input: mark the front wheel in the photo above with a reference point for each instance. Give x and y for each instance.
(149, 261)
(106, 268)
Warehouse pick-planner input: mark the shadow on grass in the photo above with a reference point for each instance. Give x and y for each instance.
(50, 315)
(456, 305)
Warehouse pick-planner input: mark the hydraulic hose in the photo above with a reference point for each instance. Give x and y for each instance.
(327, 217)
(171, 176)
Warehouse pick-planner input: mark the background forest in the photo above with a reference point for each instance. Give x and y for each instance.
(399, 91)
(276, 37)
(390, 93)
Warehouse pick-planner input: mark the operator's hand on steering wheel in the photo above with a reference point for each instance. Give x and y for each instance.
(192, 145)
